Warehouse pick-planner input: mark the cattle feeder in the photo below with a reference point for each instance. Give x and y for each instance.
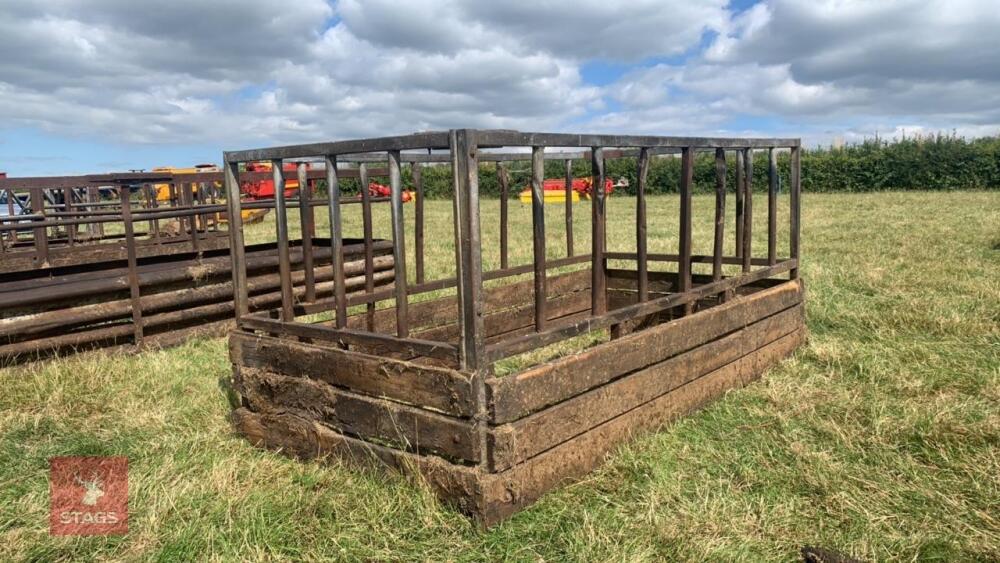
(142, 259)
(414, 384)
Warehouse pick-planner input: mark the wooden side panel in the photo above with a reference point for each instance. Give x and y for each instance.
(403, 426)
(506, 321)
(515, 442)
(506, 492)
(444, 311)
(513, 397)
(307, 439)
(446, 390)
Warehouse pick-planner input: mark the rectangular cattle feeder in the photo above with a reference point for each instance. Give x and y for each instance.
(420, 385)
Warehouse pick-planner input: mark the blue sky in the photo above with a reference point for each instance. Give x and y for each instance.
(100, 86)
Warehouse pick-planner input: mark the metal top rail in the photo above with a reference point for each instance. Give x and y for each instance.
(438, 140)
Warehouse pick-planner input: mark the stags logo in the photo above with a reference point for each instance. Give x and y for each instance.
(88, 496)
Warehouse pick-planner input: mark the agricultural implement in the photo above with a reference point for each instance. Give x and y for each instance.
(555, 191)
(418, 385)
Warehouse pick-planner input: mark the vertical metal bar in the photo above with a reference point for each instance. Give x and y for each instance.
(307, 219)
(398, 245)
(538, 232)
(41, 234)
(468, 248)
(192, 220)
(366, 222)
(94, 195)
(748, 210)
(234, 210)
(504, 202)
(794, 204)
(772, 207)
(569, 207)
(418, 227)
(336, 239)
(147, 190)
(133, 272)
(155, 223)
(598, 280)
(739, 189)
(284, 261)
(199, 198)
(214, 218)
(642, 263)
(68, 208)
(684, 250)
(720, 214)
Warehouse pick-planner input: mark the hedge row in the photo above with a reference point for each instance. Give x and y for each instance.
(939, 162)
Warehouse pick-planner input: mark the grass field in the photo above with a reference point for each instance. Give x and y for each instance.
(880, 438)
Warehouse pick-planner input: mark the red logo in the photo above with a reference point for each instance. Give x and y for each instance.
(88, 496)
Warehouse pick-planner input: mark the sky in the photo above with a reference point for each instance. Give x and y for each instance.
(110, 85)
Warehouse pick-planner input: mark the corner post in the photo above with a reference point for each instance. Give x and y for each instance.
(284, 260)
(641, 255)
(538, 232)
(234, 209)
(398, 244)
(598, 283)
(336, 239)
(795, 204)
(468, 248)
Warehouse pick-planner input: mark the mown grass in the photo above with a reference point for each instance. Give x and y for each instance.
(879, 438)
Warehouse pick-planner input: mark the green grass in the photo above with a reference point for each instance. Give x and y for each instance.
(880, 438)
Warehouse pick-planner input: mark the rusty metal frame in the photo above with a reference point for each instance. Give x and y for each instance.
(465, 149)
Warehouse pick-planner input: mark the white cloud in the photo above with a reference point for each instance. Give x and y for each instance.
(250, 72)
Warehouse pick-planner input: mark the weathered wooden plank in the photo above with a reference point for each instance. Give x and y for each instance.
(563, 331)
(509, 320)
(306, 439)
(661, 283)
(695, 258)
(444, 311)
(406, 427)
(508, 491)
(515, 442)
(513, 397)
(446, 390)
